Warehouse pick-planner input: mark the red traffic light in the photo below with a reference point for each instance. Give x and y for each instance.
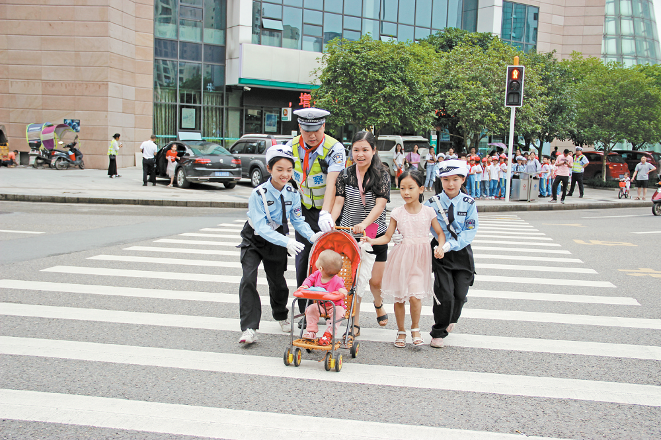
(516, 73)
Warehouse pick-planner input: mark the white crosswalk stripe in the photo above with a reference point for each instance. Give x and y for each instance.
(367, 334)
(206, 422)
(516, 385)
(507, 250)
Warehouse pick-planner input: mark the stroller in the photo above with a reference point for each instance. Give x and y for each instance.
(345, 245)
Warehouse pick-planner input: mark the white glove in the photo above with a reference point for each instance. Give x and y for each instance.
(316, 236)
(396, 238)
(325, 221)
(446, 247)
(294, 247)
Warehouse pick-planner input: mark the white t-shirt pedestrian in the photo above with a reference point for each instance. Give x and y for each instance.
(398, 159)
(149, 149)
(494, 171)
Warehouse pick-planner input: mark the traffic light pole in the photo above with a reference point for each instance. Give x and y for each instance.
(509, 155)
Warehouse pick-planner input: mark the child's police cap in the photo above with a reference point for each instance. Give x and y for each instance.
(452, 167)
(311, 119)
(279, 151)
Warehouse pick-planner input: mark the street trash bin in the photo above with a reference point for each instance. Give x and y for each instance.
(515, 190)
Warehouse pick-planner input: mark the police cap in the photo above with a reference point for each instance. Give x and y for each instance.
(311, 119)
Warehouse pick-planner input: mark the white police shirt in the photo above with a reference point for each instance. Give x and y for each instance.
(335, 158)
(260, 221)
(465, 218)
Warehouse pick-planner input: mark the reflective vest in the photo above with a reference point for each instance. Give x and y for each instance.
(312, 190)
(577, 166)
(113, 149)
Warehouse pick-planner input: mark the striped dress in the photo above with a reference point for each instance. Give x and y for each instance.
(354, 211)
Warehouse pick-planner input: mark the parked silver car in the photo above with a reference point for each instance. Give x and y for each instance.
(251, 149)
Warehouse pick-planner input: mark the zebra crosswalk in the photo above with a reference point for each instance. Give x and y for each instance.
(149, 330)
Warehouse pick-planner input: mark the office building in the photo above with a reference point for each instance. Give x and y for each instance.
(224, 68)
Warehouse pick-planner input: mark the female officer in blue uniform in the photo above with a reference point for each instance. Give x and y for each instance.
(455, 272)
(265, 240)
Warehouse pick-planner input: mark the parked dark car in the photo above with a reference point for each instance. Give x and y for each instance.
(251, 149)
(632, 158)
(615, 165)
(200, 161)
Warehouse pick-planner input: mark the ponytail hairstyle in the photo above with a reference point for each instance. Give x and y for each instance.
(417, 178)
(374, 173)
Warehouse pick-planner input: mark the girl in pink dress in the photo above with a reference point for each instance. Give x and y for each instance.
(408, 269)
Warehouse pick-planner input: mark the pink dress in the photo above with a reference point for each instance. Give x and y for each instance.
(408, 269)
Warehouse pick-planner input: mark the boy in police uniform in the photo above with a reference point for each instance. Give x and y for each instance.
(318, 160)
(454, 273)
(265, 240)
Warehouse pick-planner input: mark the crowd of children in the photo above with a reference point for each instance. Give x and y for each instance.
(487, 176)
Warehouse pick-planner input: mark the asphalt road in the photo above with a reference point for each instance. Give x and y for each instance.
(122, 322)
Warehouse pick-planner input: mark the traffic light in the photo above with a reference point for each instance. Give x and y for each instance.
(514, 86)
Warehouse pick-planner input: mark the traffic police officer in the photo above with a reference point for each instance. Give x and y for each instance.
(318, 160)
(577, 169)
(265, 240)
(454, 273)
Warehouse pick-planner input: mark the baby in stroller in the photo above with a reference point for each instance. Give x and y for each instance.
(329, 264)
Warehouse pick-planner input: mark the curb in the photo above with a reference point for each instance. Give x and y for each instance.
(110, 201)
(209, 204)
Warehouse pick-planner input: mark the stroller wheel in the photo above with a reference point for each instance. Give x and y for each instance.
(297, 357)
(354, 349)
(327, 361)
(338, 362)
(288, 357)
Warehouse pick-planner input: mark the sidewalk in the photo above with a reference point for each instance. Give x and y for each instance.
(94, 186)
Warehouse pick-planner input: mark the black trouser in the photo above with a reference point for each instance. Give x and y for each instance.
(112, 165)
(311, 218)
(148, 169)
(554, 189)
(576, 177)
(254, 249)
(453, 275)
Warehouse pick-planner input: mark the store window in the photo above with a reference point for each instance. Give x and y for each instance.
(519, 25)
(189, 68)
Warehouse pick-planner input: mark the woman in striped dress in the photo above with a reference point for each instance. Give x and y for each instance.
(362, 192)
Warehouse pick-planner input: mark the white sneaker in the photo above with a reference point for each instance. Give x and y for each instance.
(285, 325)
(436, 343)
(248, 337)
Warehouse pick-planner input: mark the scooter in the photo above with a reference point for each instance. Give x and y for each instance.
(39, 155)
(74, 157)
(656, 199)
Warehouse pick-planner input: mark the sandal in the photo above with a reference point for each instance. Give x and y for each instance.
(355, 333)
(417, 340)
(637, 198)
(400, 343)
(383, 319)
(309, 335)
(325, 339)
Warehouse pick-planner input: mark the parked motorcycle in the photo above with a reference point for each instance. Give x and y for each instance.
(62, 160)
(656, 199)
(42, 139)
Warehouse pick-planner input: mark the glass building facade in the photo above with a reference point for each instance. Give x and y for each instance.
(630, 33)
(189, 67)
(311, 24)
(520, 25)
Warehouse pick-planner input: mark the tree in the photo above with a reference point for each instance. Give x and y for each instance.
(617, 104)
(559, 111)
(381, 84)
(471, 88)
